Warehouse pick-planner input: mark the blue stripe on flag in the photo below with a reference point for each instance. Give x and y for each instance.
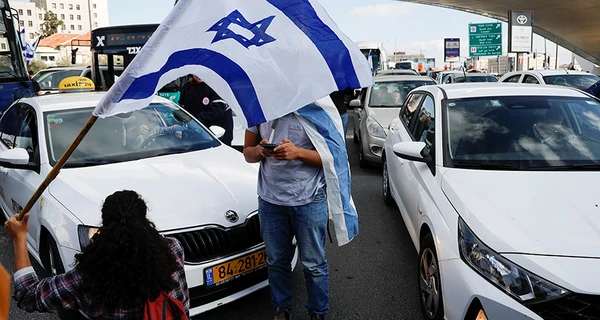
(238, 80)
(337, 146)
(304, 16)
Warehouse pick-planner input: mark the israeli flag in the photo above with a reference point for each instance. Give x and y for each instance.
(266, 58)
(28, 48)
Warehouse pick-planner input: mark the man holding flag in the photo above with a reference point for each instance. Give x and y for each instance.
(269, 59)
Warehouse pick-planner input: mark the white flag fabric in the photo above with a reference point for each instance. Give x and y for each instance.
(265, 58)
(28, 48)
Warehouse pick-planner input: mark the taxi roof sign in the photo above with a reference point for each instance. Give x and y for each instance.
(73, 84)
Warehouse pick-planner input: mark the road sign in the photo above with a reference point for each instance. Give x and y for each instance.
(485, 39)
(520, 31)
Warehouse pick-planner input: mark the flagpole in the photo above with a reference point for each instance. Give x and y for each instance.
(59, 165)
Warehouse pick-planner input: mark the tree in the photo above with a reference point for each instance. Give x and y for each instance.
(36, 65)
(50, 24)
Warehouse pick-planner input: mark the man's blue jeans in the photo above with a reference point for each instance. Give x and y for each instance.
(279, 224)
(344, 117)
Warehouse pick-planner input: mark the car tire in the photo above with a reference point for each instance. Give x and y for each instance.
(430, 285)
(54, 266)
(385, 182)
(362, 162)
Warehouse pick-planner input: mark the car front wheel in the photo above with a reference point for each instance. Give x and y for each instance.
(385, 179)
(430, 285)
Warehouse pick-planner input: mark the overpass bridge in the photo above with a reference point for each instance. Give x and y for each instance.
(572, 24)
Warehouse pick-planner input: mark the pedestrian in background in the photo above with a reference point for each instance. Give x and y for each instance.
(126, 263)
(292, 202)
(37, 90)
(342, 99)
(202, 102)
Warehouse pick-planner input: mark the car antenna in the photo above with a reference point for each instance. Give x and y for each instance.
(465, 74)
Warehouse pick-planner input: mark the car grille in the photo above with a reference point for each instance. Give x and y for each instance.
(213, 243)
(571, 307)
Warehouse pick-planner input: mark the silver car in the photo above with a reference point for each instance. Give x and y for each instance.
(376, 108)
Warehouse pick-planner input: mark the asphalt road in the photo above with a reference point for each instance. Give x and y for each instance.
(372, 277)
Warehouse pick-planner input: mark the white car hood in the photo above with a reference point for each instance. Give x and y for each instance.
(181, 190)
(543, 212)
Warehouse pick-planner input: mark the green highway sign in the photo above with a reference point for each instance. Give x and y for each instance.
(485, 39)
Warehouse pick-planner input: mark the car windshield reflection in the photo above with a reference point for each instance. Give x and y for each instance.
(581, 82)
(158, 129)
(392, 94)
(551, 133)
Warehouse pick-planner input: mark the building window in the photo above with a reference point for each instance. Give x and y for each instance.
(78, 17)
(79, 27)
(30, 23)
(70, 17)
(31, 36)
(40, 16)
(29, 13)
(22, 23)
(62, 5)
(94, 6)
(71, 6)
(95, 24)
(77, 7)
(44, 58)
(52, 58)
(3, 46)
(20, 12)
(62, 17)
(53, 5)
(95, 15)
(72, 27)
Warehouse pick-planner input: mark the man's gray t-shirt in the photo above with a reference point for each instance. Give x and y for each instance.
(282, 182)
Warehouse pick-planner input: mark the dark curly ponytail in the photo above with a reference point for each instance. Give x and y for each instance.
(127, 261)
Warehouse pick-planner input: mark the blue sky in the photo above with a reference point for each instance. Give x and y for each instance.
(401, 26)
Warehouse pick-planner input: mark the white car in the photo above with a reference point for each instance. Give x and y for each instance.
(570, 78)
(497, 186)
(198, 190)
(374, 110)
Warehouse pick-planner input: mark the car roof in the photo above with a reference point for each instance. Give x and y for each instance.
(73, 100)
(487, 89)
(552, 72)
(475, 74)
(65, 68)
(408, 77)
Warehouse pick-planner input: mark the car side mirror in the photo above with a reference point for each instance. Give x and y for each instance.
(355, 103)
(412, 151)
(217, 131)
(17, 158)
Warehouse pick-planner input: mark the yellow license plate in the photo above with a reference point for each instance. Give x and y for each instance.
(235, 268)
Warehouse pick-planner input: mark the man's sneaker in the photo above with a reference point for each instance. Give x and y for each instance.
(281, 314)
(317, 317)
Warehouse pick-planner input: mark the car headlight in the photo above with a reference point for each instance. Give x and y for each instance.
(374, 128)
(518, 283)
(85, 234)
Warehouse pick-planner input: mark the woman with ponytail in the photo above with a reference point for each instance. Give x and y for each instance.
(126, 263)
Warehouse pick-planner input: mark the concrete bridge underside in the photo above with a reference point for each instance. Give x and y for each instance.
(573, 24)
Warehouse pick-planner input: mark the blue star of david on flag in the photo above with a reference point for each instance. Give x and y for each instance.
(259, 29)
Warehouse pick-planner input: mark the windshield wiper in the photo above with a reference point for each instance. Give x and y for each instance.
(10, 72)
(573, 167)
(87, 163)
(482, 165)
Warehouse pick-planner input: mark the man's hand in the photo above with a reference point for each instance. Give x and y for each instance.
(286, 151)
(17, 230)
(144, 129)
(264, 151)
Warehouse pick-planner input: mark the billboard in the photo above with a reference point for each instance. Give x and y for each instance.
(520, 31)
(451, 49)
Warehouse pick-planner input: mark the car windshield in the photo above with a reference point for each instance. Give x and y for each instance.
(49, 79)
(523, 132)
(159, 129)
(579, 81)
(392, 94)
(461, 79)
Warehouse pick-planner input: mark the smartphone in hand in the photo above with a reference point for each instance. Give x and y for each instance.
(269, 146)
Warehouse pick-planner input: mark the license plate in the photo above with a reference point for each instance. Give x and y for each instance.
(235, 268)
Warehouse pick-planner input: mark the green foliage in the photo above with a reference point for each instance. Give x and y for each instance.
(36, 65)
(50, 24)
